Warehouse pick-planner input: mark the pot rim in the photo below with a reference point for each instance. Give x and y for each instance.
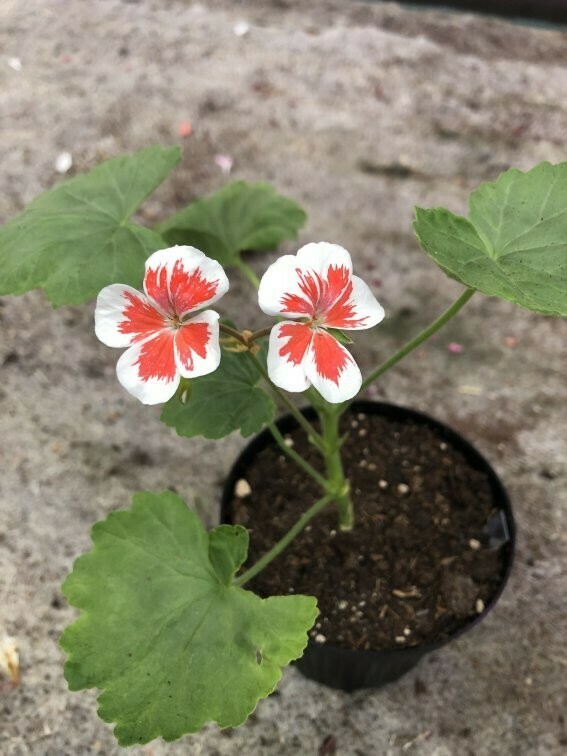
(287, 422)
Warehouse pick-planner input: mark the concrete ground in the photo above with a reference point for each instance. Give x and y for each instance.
(360, 112)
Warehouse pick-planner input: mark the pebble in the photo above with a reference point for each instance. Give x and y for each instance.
(407, 631)
(288, 441)
(362, 432)
(400, 638)
(371, 466)
(474, 544)
(479, 606)
(242, 488)
(241, 28)
(320, 638)
(382, 484)
(63, 162)
(342, 604)
(403, 489)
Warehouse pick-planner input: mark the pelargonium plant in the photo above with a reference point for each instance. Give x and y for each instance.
(168, 630)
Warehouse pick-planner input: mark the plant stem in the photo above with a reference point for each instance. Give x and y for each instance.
(417, 340)
(335, 473)
(247, 272)
(235, 334)
(312, 434)
(298, 459)
(283, 542)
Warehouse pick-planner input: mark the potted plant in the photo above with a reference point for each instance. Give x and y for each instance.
(169, 630)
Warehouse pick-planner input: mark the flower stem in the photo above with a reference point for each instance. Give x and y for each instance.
(315, 438)
(417, 340)
(283, 542)
(335, 473)
(298, 459)
(247, 272)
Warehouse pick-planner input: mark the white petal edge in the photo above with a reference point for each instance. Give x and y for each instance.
(281, 277)
(350, 380)
(366, 305)
(208, 364)
(319, 256)
(109, 313)
(191, 259)
(286, 375)
(153, 391)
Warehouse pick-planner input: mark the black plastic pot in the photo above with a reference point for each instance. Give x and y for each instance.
(349, 669)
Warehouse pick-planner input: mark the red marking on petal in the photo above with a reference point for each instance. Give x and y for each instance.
(320, 295)
(192, 337)
(189, 291)
(330, 358)
(183, 292)
(140, 317)
(342, 313)
(155, 285)
(298, 339)
(156, 359)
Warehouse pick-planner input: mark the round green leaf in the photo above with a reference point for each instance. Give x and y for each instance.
(165, 636)
(514, 243)
(222, 402)
(237, 217)
(77, 238)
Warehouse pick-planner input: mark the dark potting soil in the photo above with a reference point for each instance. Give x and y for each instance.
(417, 565)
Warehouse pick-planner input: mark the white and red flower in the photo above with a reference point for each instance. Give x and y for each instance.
(315, 291)
(165, 339)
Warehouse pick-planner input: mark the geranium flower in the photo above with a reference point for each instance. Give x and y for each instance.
(317, 290)
(165, 342)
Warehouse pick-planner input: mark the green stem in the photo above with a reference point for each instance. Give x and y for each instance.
(283, 542)
(315, 438)
(298, 459)
(417, 340)
(247, 272)
(335, 473)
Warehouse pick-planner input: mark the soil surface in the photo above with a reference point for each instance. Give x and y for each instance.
(419, 563)
(360, 112)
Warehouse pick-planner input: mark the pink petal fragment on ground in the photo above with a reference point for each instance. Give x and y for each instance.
(455, 348)
(185, 129)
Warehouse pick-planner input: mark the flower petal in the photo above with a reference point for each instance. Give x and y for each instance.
(288, 347)
(356, 309)
(148, 369)
(331, 369)
(197, 348)
(306, 284)
(181, 280)
(124, 316)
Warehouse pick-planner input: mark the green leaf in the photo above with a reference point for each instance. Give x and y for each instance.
(228, 547)
(238, 217)
(222, 402)
(168, 642)
(514, 243)
(340, 336)
(77, 238)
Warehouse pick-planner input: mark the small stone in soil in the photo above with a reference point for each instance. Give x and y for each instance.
(242, 488)
(403, 489)
(400, 639)
(474, 544)
(342, 604)
(479, 606)
(383, 484)
(319, 638)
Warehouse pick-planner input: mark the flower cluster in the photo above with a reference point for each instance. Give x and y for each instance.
(169, 337)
